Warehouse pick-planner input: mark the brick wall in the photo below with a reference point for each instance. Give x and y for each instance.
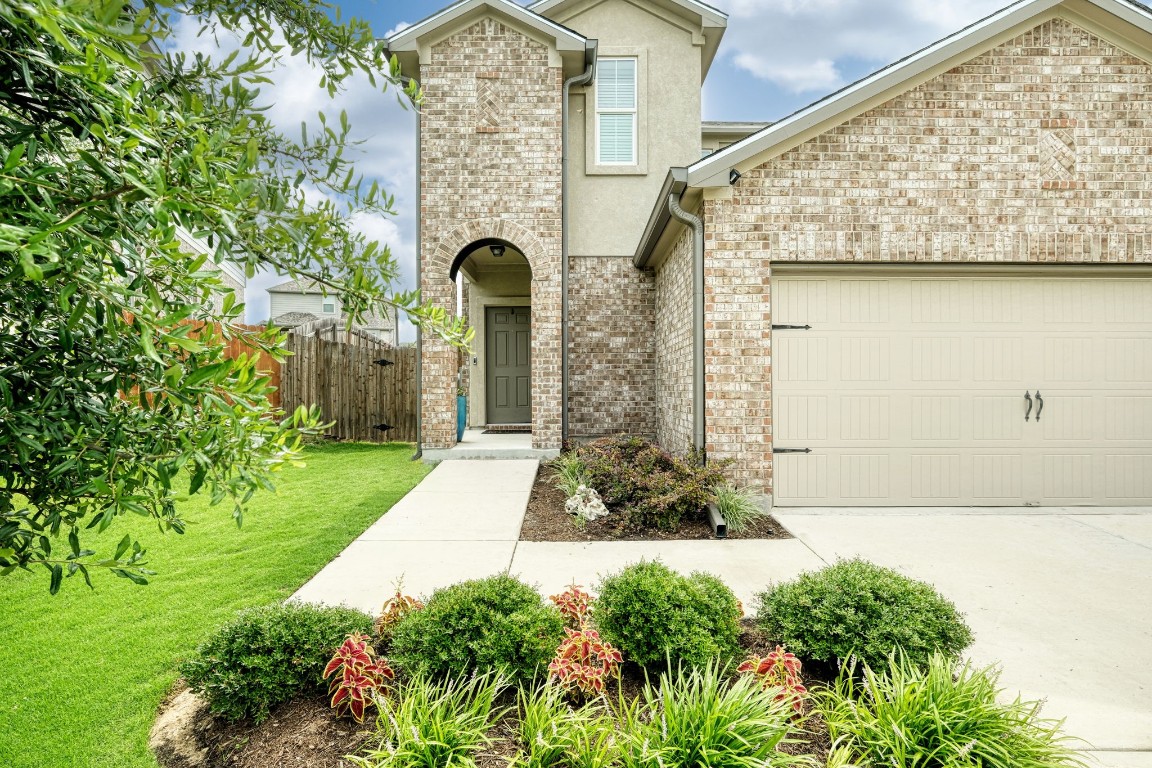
(674, 348)
(1038, 151)
(612, 366)
(490, 167)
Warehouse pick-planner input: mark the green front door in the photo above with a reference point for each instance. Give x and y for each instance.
(508, 340)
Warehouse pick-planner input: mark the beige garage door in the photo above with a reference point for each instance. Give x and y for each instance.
(917, 391)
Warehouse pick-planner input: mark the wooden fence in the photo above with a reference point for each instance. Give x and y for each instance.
(365, 386)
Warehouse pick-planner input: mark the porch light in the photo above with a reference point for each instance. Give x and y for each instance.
(497, 250)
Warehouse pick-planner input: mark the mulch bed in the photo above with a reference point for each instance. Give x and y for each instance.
(304, 732)
(546, 520)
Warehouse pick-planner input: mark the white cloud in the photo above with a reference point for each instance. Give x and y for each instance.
(396, 29)
(803, 45)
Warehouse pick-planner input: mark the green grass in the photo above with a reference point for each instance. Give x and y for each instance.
(82, 673)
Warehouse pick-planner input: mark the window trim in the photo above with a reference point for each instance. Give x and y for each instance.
(324, 301)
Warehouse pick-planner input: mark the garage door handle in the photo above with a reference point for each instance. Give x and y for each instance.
(1028, 399)
(1039, 404)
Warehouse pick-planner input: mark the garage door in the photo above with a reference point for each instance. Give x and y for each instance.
(916, 391)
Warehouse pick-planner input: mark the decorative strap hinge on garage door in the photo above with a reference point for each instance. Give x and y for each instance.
(791, 327)
(791, 450)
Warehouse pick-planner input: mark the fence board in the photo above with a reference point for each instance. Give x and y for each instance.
(337, 371)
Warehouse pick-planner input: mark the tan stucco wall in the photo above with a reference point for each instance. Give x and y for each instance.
(505, 287)
(609, 206)
(1037, 152)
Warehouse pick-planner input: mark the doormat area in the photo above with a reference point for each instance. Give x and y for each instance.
(507, 431)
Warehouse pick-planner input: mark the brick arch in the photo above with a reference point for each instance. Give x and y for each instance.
(449, 246)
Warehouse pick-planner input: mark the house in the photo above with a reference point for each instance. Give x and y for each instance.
(931, 288)
(297, 302)
(231, 276)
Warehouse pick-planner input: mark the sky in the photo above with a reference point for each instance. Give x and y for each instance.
(776, 57)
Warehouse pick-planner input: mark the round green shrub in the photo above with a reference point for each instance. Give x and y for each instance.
(654, 614)
(267, 655)
(856, 608)
(498, 623)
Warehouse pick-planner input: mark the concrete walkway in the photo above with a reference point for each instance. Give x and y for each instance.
(1062, 599)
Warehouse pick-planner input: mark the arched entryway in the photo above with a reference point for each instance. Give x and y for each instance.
(525, 277)
(495, 288)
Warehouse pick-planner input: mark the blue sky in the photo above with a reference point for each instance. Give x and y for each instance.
(776, 57)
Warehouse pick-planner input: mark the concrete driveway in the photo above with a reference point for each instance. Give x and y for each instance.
(1061, 598)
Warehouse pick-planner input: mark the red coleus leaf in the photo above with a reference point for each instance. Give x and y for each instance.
(356, 707)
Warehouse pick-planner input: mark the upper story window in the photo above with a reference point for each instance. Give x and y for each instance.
(329, 305)
(616, 111)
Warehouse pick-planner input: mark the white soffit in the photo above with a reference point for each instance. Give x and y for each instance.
(897, 78)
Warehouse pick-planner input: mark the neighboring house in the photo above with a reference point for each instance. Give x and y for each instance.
(931, 288)
(230, 275)
(297, 302)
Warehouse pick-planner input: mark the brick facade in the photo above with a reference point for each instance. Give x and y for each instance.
(1036, 152)
(490, 168)
(612, 366)
(674, 347)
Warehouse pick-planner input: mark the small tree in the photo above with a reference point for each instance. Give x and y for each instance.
(115, 392)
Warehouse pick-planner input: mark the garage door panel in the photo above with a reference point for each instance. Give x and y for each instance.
(1128, 478)
(911, 392)
(997, 478)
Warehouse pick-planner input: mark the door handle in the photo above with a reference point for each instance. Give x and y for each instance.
(1039, 404)
(1028, 399)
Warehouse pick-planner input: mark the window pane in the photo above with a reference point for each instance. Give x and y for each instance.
(616, 84)
(616, 138)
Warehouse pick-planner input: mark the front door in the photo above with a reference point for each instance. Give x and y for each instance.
(509, 365)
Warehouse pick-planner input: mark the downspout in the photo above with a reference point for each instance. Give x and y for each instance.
(405, 80)
(581, 79)
(698, 394)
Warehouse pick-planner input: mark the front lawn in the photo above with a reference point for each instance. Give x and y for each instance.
(83, 672)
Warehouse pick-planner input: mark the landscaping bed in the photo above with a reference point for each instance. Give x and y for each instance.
(658, 669)
(546, 520)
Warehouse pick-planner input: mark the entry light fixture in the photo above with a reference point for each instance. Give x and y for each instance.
(733, 176)
(497, 250)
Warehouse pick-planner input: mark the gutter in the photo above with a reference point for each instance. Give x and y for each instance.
(582, 79)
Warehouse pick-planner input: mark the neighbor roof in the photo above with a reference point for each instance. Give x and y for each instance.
(856, 98)
(295, 286)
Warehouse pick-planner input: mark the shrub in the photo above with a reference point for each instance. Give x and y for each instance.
(361, 676)
(937, 715)
(856, 608)
(653, 487)
(698, 719)
(431, 724)
(739, 506)
(265, 656)
(653, 614)
(485, 624)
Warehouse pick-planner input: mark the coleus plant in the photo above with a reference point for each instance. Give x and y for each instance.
(395, 609)
(574, 604)
(779, 669)
(360, 675)
(583, 662)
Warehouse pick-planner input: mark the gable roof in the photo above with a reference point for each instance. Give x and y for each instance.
(405, 44)
(296, 286)
(712, 21)
(926, 63)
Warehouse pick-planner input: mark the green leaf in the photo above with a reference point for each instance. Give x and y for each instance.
(57, 577)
